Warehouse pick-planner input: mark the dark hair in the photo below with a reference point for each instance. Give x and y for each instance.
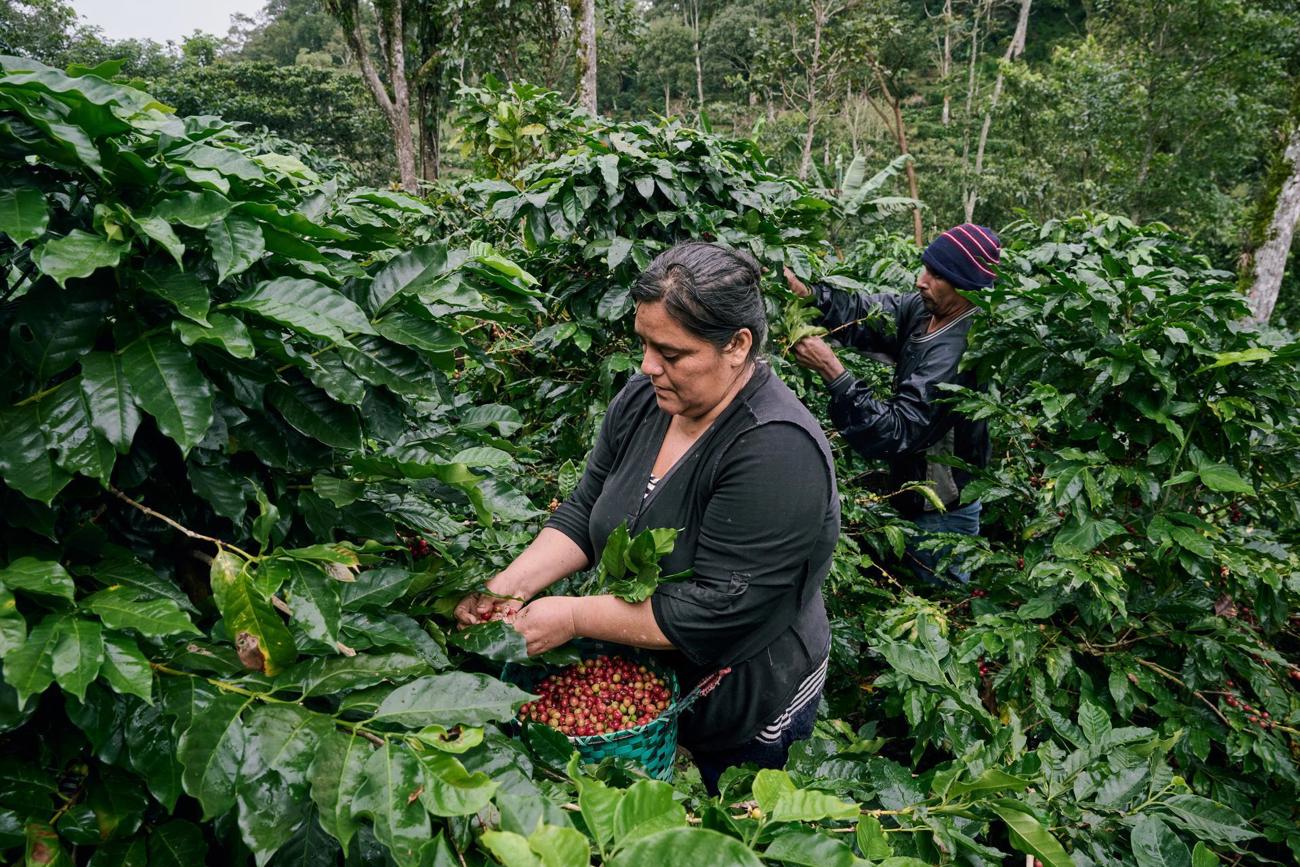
(710, 289)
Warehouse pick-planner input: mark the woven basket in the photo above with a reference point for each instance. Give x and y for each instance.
(653, 745)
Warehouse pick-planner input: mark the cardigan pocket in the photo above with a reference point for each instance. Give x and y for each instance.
(710, 597)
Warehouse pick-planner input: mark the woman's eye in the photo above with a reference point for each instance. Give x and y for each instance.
(668, 358)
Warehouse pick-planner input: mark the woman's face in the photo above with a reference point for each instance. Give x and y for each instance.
(690, 375)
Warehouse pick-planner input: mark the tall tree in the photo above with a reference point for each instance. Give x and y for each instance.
(584, 27)
(1270, 258)
(1014, 49)
(390, 34)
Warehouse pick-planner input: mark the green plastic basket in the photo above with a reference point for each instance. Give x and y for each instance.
(653, 745)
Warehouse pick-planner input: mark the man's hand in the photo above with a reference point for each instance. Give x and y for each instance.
(815, 354)
(796, 285)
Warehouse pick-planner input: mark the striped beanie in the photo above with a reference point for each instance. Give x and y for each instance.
(965, 256)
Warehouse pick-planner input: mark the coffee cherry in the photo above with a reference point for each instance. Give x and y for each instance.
(598, 695)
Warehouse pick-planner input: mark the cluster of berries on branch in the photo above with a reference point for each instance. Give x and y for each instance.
(596, 696)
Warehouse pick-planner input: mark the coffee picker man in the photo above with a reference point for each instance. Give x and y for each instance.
(912, 426)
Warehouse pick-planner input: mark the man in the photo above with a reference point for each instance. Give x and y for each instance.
(912, 427)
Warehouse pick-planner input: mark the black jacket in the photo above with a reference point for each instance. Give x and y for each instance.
(911, 426)
(756, 507)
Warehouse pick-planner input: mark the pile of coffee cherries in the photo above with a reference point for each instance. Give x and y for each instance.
(599, 695)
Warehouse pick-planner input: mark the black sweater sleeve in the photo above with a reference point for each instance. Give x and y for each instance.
(855, 318)
(764, 516)
(908, 422)
(573, 517)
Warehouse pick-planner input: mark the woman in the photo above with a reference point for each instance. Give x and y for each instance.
(710, 442)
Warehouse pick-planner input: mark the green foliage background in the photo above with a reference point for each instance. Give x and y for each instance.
(237, 390)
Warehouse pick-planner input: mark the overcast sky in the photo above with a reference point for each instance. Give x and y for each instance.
(162, 20)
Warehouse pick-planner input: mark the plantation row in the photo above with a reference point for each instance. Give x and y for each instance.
(262, 433)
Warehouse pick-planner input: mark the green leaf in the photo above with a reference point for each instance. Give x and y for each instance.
(1154, 845)
(29, 669)
(992, 780)
(1208, 820)
(1223, 478)
(511, 849)
(1203, 856)
(26, 462)
(408, 272)
(113, 411)
(505, 419)
(23, 214)
(450, 790)
(1094, 721)
(807, 805)
(768, 787)
(1030, 837)
(410, 329)
(237, 243)
(153, 752)
(52, 330)
(811, 848)
(182, 290)
(198, 210)
(306, 306)
(225, 331)
(80, 448)
(177, 844)
(284, 738)
(168, 385)
(379, 362)
(125, 667)
(13, 628)
(78, 254)
(560, 847)
(211, 751)
(40, 577)
(390, 795)
(310, 411)
(917, 664)
(608, 164)
(43, 849)
(686, 846)
(122, 607)
(161, 231)
(454, 698)
(377, 588)
(314, 601)
(335, 773)
(871, 839)
(328, 675)
(647, 807)
(77, 655)
(261, 637)
(613, 559)
(1223, 359)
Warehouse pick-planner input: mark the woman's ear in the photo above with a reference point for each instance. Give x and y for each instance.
(739, 345)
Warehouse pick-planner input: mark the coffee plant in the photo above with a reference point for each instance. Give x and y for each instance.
(262, 429)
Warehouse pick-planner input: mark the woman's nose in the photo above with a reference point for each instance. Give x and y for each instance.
(650, 365)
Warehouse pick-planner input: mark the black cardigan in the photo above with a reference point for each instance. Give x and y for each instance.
(913, 425)
(755, 503)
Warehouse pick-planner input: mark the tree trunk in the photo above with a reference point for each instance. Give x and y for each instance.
(397, 106)
(668, 106)
(1270, 259)
(945, 63)
(699, 73)
(819, 17)
(585, 28)
(1014, 50)
(899, 128)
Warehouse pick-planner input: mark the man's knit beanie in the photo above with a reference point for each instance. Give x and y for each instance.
(965, 256)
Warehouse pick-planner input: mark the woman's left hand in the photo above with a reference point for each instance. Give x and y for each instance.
(546, 623)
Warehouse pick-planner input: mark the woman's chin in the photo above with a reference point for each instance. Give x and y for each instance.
(668, 402)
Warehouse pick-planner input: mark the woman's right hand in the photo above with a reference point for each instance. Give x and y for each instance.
(482, 607)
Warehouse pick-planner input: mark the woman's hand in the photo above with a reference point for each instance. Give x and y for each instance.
(483, 607)
(547, 623)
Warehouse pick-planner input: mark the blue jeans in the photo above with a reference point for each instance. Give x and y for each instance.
(963, 519)
(765, 755)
